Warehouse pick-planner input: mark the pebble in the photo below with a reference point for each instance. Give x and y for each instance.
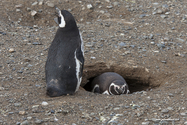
(29, 118)
(11, 50)
(183, 114)
(19, 6)
(21, 112)
(89, 6)
(181, 40)
(40, 2)
(92, 57)
(27, 59)
(142, 15)
(145, 123)
(166, 38)
(38, 121)
(185, 123)
(25, 123)
(44, 103)
(17, 104)
(33, 13)
(35, 3)
(122, 44)
(170, 108)
(159, 11)
(116, 3)
(163, 16)
(164, 110)
(161, 45)
(109, 7)
(155, 4)
(35, 106)
(50, 4)
(1, 88)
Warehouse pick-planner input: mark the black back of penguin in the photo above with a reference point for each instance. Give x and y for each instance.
(65, 59)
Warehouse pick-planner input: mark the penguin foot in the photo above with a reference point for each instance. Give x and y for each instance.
(52, 91)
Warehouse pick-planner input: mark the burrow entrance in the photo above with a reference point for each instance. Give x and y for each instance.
(137, 78)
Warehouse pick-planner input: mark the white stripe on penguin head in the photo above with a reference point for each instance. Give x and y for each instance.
(62, 23)
(115, 86)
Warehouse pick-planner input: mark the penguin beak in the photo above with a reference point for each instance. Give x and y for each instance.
(120, 90)
(58, 11)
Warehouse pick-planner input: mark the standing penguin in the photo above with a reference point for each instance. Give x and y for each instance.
(65, 61)
(110, 83)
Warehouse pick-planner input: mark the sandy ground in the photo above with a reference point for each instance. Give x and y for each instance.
(145, 41)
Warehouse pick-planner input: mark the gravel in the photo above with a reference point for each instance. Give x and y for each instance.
(144, 41)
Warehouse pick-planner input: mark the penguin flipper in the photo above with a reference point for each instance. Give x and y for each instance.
(80, 57)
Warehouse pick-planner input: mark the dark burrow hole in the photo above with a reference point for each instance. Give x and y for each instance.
(138, 79)
(135, 85)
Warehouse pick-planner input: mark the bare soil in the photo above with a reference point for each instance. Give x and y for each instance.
(126, 37)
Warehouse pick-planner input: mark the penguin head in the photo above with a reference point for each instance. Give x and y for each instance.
(118, 87)
(65, 19)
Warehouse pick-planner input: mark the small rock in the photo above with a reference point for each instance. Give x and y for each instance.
(50, 4)
(183, 114)
(35, 3)
(89, 6)
(152, 43)
(161, 45)
(155, 4)
(1, 88)
(29, 9)
(40, 2)
(18, 123)
(116, 3)
(170, 108)
(11, 50)
(25, 123)
(165, 111)
(19, 6)
(2, 34)
(27, 59)
(35, 106)
(109, 7)
(44, 103)
(35, 43)
(38, 121)
(29, 118)
(17, 104)
(181, 40)
(107, 1)
(21, 112)
(166, 38)
(142, 15)
(185, 123)
(93, 57)
(159, 11)
(163, 61)
(163, 16)
(122, 44)
(145, 123)
(151, 36)
(18, 10)
(33, 13)
(170, 95)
